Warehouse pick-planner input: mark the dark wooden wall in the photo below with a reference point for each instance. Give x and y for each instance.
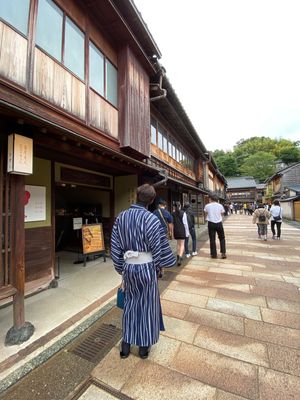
(38, 253)
(134, 104)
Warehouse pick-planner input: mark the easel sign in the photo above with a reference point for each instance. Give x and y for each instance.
(92, 241)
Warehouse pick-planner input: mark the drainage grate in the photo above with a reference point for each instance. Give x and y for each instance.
(92, 382)
(94, 347)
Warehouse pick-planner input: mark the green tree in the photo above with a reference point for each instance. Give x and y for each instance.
(289, 154)
(245, 148)
(259, 165)
(227, 165)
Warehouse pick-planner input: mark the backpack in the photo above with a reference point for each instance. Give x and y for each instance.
(261, 217)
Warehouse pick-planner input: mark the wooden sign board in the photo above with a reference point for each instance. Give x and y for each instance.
(92, 239)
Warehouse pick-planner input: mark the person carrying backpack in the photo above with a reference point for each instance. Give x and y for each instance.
(261, 217)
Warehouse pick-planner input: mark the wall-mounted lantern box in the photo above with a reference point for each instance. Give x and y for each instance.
(19, 155)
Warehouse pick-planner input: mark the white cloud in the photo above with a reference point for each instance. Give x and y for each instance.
(234, 64)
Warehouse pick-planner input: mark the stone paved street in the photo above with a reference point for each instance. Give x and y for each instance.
(232, 326)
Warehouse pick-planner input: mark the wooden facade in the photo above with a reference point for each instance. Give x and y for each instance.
(90, 132)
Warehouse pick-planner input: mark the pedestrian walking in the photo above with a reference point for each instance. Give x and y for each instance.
(276, 219)
(181, 230)
(214, 212)
(191, 223)
(139, 249)
(165, 218)
(261, 218)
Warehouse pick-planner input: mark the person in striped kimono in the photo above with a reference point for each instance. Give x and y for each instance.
(139, 249)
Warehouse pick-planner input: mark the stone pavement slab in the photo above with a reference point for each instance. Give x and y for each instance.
(216, 319)
(272, 333)
(181, 330)
(234, 308)
(283, 305)
(217, 370)
(153, 382)
(284, 359)
(244, 298)
(283, 318)
(185, 298)
(231, 345)
(275, 385)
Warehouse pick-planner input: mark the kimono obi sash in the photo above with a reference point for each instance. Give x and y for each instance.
(137, 257)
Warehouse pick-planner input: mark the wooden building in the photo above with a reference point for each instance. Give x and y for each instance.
(81, 84)
(284, 186)
(241, 189)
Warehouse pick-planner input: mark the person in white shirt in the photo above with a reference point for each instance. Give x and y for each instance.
(214, 213)
(276, 219)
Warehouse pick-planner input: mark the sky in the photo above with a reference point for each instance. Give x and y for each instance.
(234, 65)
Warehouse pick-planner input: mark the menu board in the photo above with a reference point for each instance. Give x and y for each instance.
(92, 238)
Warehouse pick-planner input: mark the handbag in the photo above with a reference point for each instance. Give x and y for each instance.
(278, 217)
(120, 298)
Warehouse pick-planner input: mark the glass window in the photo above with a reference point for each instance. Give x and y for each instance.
(15, 12)
(74, 49)
(165, 144)
(96, 69)
(49, 28)
(111, 84)
(174, 151)
(170, 149)
(153, 132)
(160, 140)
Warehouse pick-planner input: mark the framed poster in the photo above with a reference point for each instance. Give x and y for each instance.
(35, 203)
(92, 238)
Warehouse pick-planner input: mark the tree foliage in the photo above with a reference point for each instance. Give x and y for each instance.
(259, 165)
(256, 156)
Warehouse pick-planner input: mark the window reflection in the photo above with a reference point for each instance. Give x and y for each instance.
(15, 12)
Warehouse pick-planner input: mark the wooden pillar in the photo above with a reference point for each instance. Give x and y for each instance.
(18, 182)
(21, 330)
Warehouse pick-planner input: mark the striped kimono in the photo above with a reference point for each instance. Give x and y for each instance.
(139, 230)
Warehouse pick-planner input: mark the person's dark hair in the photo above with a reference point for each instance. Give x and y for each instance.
(214, 197)
(276, 203)
(260, 205)
(145, 194)
(162, 202)
(186, 206)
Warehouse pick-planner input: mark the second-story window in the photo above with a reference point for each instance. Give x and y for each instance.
(103, 75)
(15, 12)
(96, 69)
(49, 25)
(49, 36)
(74, 49)
(165, 144)
(159, 140)
(111, 84)
(153, 132)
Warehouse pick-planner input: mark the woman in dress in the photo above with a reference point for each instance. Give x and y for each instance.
(180, 229)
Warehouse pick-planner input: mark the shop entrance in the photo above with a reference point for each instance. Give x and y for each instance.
(76, 205)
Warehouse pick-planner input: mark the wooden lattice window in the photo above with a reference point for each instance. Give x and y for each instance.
(5, 225)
